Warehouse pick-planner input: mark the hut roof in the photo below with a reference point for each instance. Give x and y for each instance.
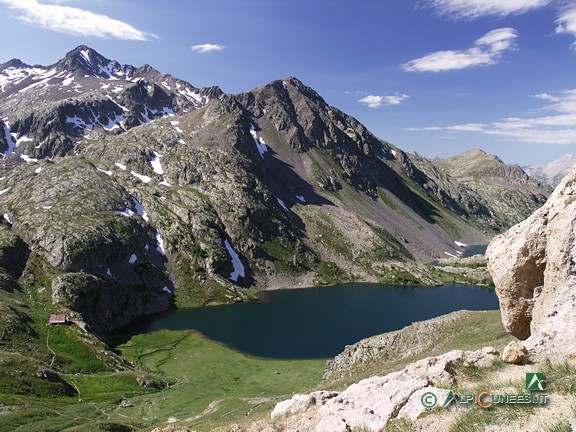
(57, 319)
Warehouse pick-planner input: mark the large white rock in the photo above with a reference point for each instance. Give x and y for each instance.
(534, 269)
(372, 402)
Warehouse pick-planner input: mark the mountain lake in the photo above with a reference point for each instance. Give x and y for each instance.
(315, 322)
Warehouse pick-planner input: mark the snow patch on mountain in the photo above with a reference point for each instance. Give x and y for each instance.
(236, 263)
(9, 140)
(108, 71)
(141, 177)
(140, 210)
(78, 122)
(23, 138)
(282, 204)
(117, 104)
(260, 144)
(192, 96)
(126, 212)
(67, 81)
(160, 247)
(44, 78)
(113, 123)
(27, 158)
(13, 76)
(175, 124)
(156, 164)
(86, 56)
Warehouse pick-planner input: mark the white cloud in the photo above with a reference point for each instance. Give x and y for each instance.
(204, 48)
(60, 1)
(546, 97)
(566, 24)
(374, 101)
(486, 51)
(472, 9)
(558, 128)
(74, 21)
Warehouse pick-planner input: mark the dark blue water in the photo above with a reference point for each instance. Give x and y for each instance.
(474, 250)
(317, 322)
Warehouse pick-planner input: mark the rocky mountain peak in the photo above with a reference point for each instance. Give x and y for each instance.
(14, 63)
(477, 163)
(477, 157)
(146, 71)
(291, 87)
(88, 60)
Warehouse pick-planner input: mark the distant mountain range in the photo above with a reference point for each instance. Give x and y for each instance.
(552, 172)
(124, 190)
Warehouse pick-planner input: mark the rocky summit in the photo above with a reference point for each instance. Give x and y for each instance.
(125, 190)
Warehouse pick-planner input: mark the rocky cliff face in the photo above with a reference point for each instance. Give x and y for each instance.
(533, 267)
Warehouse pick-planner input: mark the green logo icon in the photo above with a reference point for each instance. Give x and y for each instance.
(428, 400)
(535, 381)
(449, 399)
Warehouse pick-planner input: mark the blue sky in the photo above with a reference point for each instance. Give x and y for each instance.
(434, 76)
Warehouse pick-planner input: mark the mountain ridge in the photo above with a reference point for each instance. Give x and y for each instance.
(303, 193)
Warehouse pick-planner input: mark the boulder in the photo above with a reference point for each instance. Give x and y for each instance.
(515, 353)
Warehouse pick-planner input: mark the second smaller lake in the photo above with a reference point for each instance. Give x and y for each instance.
(317, 322)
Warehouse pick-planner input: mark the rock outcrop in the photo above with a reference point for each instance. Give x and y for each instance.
(534, 266)
(374, 401)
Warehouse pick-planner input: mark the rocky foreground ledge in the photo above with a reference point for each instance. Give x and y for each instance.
(372, 402)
